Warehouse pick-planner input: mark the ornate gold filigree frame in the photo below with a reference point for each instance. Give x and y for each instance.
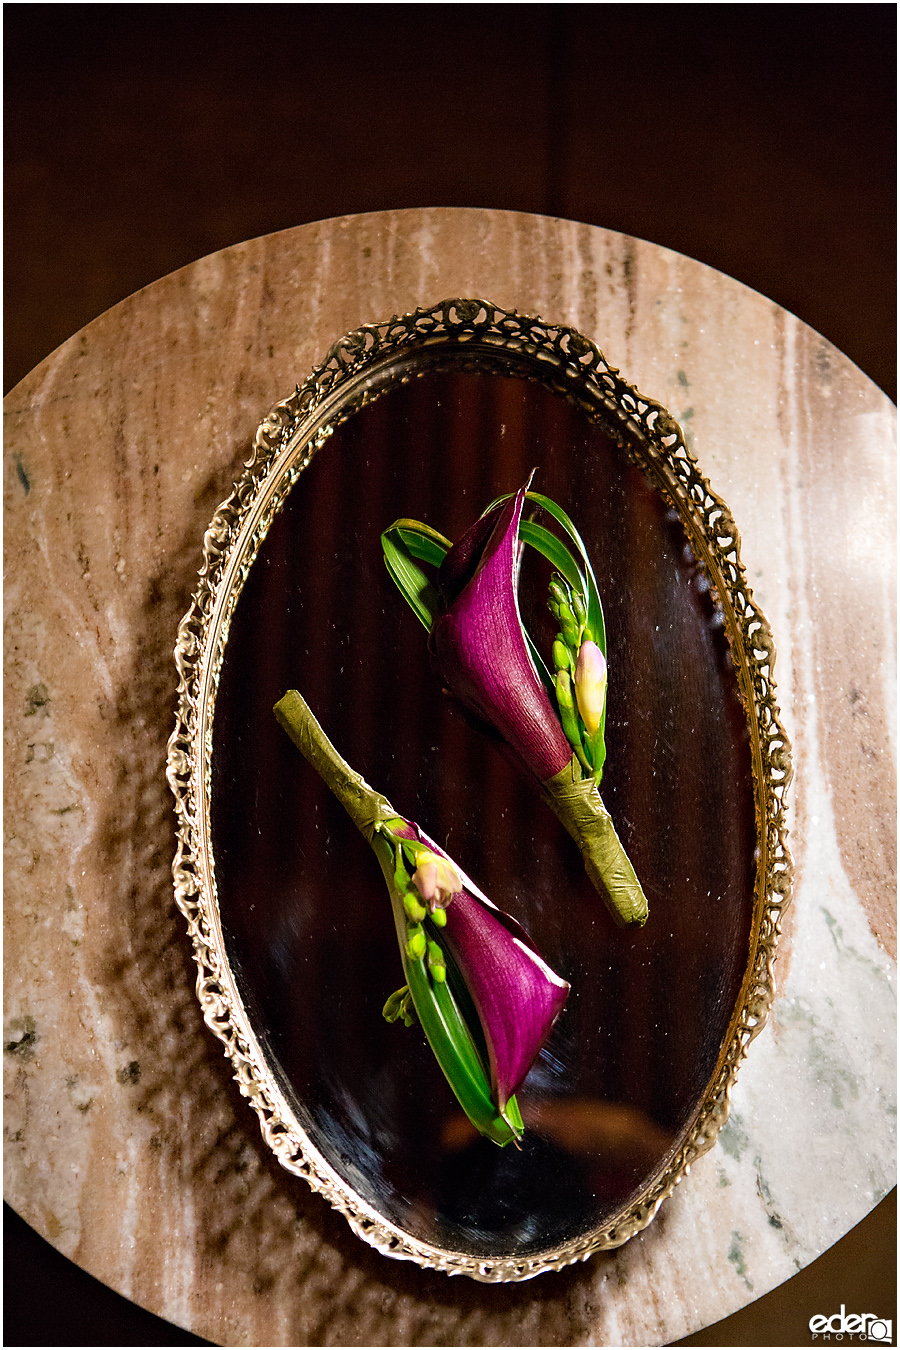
(473, 334)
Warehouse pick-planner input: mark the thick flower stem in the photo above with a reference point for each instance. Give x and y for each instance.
(577, 803)
(365, 807)
(363, 804)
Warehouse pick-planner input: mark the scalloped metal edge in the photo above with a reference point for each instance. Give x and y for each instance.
(482, 335)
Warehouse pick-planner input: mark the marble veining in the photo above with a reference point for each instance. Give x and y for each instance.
(126, 1143)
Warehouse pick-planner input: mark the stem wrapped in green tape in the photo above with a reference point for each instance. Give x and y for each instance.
(365, 807)
(578, 805)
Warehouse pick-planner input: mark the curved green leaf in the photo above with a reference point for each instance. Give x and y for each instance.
(455, 1052)
(412, 583)
(596, 624)
(555, 551)
(422, 541)
(405, 544)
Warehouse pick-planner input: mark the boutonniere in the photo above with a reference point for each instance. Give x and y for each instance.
(474, 980)
(550, 716)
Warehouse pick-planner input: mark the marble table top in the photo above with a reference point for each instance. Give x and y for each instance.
(127, 1144)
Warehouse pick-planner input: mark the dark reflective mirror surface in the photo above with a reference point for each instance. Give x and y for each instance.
(306, 916)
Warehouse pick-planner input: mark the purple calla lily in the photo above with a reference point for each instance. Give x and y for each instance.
(480, 645)
(504, 972)
(516, 994)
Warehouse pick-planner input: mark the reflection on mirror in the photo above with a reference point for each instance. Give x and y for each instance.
(306, 920)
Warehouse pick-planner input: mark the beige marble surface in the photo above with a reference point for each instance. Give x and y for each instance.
(127, 1145)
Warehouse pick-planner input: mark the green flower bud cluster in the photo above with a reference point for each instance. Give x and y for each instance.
(568, 715)
(567, 605)
(418, 946)
(568, 608)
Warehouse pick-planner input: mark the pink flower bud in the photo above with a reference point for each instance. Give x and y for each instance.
(590, 685)
(436, 879)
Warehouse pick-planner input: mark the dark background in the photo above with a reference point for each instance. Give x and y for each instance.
(759, 139)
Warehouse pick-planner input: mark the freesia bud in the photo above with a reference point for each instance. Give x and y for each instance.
(414, 911)
(560, 654)
(436, 963)
(436, 879)
(393, 1008)
(416, 944)
(590, 685)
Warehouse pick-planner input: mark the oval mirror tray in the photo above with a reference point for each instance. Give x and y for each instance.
(431, 416)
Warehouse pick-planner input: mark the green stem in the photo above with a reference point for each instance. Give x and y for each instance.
(365, 807)
(578, 805)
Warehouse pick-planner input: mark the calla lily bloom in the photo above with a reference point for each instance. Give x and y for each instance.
(504, 972)
(552, 725)
(485, 998)
(480, 645)
(516, 994)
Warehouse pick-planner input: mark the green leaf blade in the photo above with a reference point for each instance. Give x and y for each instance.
(596, 622)
(413, 584)
(455, 1052)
